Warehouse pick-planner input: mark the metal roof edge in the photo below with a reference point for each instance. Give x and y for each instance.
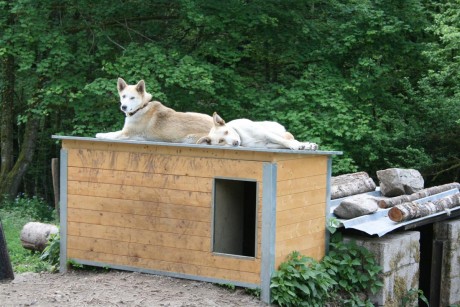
(288, 151)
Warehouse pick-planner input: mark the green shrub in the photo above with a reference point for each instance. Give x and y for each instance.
(355, 267)
(416, 294)
(51, 252)
(301, 281)
(343, 278)
(14, 215)
(33, 208)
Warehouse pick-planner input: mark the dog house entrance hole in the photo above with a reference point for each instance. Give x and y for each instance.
(235, 217)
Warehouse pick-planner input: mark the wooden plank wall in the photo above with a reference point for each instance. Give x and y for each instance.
(151, 210)
(301, 207)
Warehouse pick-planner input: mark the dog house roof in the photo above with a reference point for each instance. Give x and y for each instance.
(284, 151)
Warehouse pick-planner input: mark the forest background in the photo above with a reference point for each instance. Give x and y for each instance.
(378, 80)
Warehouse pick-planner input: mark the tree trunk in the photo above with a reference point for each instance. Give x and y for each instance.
(391, 202)
(412, 210)
(8, 73)
(12, 171)
(6, 270)
(7, 116)
(9, 184)
(351, 184)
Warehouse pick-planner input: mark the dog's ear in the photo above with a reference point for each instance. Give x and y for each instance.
(204, 139)
(218, 121)
(140, 87)
(121, 84)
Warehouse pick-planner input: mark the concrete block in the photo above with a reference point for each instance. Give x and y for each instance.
(394, 250)
(451, 263)
(382, 296)
(399, 255)
(450, 292)
(397, 286)
(448, 231)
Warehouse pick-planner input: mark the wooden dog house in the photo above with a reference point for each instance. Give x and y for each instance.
(217, 214)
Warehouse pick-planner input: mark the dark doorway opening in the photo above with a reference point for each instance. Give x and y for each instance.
(235, 211)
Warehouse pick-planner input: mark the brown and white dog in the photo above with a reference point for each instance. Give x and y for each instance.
(248, 133)
(148, 120)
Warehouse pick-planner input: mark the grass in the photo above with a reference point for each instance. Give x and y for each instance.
(14, 215)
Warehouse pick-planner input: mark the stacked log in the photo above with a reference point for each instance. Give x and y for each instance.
(351, 184)
(391, 202)
(412, 210)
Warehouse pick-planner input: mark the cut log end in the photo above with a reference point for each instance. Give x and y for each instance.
(382, 204)
(395, 214)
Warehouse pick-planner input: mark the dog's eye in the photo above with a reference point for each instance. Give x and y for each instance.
(124, 96)
(131, 98)
(221, 141)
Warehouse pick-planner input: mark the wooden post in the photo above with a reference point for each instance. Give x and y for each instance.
(6, 270)
(57, 194)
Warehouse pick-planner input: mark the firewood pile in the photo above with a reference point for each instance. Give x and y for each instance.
(400, 192)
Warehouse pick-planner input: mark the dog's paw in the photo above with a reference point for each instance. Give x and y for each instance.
(310, 146)
(296, 145)
(108, 135)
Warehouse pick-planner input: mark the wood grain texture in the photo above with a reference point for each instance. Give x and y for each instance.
(301, 200)
(301, 168)
(301, 214)
(167, 266)
(165, 164)
(301, 207)
(313, 240)
(159, 224)
(147, 208)
(176, 197)
(162, 253)
(224, 153)
(117, 233)
(300, 229)
(299, 185)
(140, 179)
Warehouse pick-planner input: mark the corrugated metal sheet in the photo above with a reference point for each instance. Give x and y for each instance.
(380, 224)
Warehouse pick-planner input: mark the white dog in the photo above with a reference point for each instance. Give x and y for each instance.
(247, 133)
(151, 121)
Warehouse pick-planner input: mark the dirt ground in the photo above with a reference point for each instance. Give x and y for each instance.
(116, 288)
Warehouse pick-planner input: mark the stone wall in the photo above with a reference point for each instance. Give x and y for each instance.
(399, 256)
(448, 232)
